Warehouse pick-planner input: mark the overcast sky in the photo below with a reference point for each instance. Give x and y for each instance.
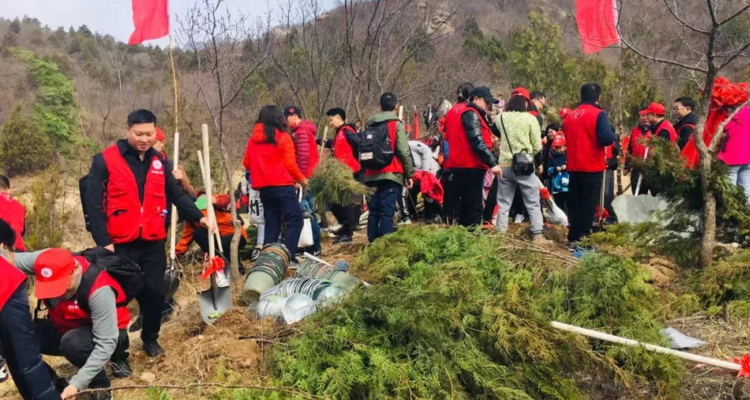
(115, 17)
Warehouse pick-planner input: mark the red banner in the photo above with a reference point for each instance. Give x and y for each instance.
(151, 20)
(597, 24)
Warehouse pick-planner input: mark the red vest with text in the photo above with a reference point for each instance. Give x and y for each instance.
(395, 166)
(585, 154)
(66, 315)
(460, 153)
(666, 125)
(638, 142)
(11, 279)
(14, 214)
(127, 218)
(343, 151)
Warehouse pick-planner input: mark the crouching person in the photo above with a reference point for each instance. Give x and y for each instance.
(87, 317)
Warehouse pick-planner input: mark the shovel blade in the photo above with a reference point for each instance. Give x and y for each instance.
(213, 303)
(172, 278)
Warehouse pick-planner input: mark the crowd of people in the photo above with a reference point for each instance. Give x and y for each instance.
(483, 162)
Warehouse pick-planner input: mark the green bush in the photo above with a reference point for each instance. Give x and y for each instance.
(47, 216)
(24, 148)
(460, 315)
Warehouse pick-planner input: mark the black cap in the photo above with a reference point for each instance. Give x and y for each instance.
(292, 110)
(484, 92)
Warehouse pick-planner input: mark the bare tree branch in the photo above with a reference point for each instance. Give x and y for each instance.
(734, 56)
(712, 12)
(735, 15)
(661, 60)
(683, 22)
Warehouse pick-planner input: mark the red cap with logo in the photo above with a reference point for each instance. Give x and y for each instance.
(654, 108)
(520, 91)
(558, 141)
(564, 112)
(160, 135)
(53, 269)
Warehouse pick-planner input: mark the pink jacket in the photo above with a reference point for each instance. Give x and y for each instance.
(736, 150)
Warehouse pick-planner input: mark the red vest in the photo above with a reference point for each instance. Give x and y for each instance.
(127, 218)
(638, 141)
(14, 214)
(395, 166)
(666, 125)
(67, 316)
(460, 153)
(585, 154)
(11, 279)
(343, 151)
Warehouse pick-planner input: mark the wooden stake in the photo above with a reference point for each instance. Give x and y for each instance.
(173, 222)
(323, 147)
(401, 113)
(658, 349)
(209, 195)
(210, 207)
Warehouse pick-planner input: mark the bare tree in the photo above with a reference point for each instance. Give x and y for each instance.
(701, 47)
(230, 53)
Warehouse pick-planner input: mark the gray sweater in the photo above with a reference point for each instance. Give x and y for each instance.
(103, 319)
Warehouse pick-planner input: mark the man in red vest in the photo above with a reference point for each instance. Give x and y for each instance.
(20, 345)
(88, 334)
(637, 146)
(388, 182)
(538, 101)
(13, 212)
(659, 124)
(470, 144)
(686, 120)
(127, 193)
(587, 132)
(451, 204)
(346, 149)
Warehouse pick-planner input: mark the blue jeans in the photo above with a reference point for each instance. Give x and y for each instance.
(309, 205)
(22, 351)
(381, 206)
(280, 203)
(740, 175)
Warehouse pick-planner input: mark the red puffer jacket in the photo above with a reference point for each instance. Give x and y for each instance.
(307, 150)
(271, 164)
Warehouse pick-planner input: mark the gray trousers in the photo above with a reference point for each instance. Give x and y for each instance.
(506, 189)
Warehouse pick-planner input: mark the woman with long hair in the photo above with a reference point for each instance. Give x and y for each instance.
(520, 133)
(271, 162)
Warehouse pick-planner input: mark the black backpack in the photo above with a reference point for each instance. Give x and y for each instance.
(127, 273)
(376, 151)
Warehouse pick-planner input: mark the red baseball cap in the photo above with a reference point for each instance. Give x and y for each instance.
(53, 269)
(654, 108)
(520, 91)
(160, 135)
(564, 112)
(558, 141)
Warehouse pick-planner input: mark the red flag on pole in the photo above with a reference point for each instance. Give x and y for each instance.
(151, 20)
(416, 124)
(597, 24)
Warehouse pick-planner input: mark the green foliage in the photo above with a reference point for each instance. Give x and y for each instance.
(725, 282)
(475, 43)
(15, 26)
(24, 148)
(334, 183)
(666, 170)
(458, 315)
(634, 89)
(55, 109)
(46, 218)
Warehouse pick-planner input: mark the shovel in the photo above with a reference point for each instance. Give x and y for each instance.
(215, 301)
(173, 275)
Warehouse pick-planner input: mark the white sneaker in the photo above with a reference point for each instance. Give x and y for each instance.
(221, 279)
(519, 219)
(3, 371)
(406, 221)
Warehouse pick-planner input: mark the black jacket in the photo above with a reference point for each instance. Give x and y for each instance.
(98, 176)
(685, 128)
(473, 128)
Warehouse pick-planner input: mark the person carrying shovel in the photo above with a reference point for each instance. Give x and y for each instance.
(127, 192)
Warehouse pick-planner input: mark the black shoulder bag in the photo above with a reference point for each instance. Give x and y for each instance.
(523, 162)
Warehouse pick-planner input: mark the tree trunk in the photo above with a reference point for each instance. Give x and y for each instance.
(708, 240)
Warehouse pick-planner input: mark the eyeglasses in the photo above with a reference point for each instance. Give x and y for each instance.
(677, 108)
